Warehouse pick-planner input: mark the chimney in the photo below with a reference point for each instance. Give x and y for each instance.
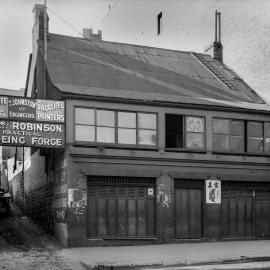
(217, 46)
(38, 27)
(89, 34)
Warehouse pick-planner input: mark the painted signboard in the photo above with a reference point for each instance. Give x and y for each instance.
(213, 191)
(32, 122)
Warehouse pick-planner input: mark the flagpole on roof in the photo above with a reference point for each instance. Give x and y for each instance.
(45, 46)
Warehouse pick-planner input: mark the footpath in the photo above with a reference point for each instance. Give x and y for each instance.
(210, 255)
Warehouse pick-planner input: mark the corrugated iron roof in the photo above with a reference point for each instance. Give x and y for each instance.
(82, 66)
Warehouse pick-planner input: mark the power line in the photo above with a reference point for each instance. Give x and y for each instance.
(66, 22)
(110, 10)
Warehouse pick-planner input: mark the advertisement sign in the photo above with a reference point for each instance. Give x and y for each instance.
(213, 191)
(32, 122)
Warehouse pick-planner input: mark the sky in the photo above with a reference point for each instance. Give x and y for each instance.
(187, 25)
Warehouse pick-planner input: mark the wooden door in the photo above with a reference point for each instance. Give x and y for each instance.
(188, 213)
(262, 213)
(237, 213)
(120, 211)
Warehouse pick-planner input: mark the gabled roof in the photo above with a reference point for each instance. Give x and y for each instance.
(108, 69)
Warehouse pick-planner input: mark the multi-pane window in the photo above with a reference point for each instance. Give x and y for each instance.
(255, 137)
(105, 126)
(122, 128)
(240, 136)
(267, 136)
(85, 125)
(147, 128)
(228, 135)
(195, 131)
(185, 132)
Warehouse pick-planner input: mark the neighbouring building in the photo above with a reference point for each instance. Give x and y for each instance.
(161, 145)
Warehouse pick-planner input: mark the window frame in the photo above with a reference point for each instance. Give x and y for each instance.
(203, 133)
(245, 137)
(229, 151)
(184, 128)
(116, 144)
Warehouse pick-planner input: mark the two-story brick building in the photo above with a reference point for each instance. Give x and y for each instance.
(145, 128)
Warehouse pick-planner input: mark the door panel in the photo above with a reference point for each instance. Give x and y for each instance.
(237, 213)
(188, 213)
(120, 211)
(262, 213)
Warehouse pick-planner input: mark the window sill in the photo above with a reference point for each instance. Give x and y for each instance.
(113, 146)
(241, 154)
(178, 150)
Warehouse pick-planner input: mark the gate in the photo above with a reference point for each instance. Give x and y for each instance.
(121, 207)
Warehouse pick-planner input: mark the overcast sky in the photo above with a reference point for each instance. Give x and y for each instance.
(187, 25)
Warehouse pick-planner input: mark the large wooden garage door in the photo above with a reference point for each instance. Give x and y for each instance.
(262, 213)
(120, 207)
(246, 209)
(188, 208)
(237, 213)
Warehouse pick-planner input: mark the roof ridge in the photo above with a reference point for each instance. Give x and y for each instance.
(129, 44)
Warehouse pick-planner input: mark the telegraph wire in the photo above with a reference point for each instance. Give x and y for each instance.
(110, 10)
(66, 22)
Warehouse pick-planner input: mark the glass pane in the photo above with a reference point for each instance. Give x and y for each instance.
(105, 118)
(105, 135)
(255, 129)
(237, 144)
(255, 145)
(127, 119)
(84, 133)
(147, 137)
(267, 145)
(195, 140)
(220, 142)
(221, 126)
(147, 120)
(267, 129)
(195, 124)
(237, 128)
(127, 136)
(84, 116)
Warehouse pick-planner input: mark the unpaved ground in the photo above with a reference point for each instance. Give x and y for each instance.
(23, 246)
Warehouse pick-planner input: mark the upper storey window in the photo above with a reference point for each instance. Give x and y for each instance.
(240, 136)
(185, 132)
(228, 135)
(115, 127)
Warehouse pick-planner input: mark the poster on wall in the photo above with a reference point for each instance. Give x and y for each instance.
(213, 191)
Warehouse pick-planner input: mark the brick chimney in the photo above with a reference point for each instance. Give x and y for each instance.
(217, 45)
(89, 34)
(38, 26)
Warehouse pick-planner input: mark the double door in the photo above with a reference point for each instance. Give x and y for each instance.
(246, 212)
(120, 208)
